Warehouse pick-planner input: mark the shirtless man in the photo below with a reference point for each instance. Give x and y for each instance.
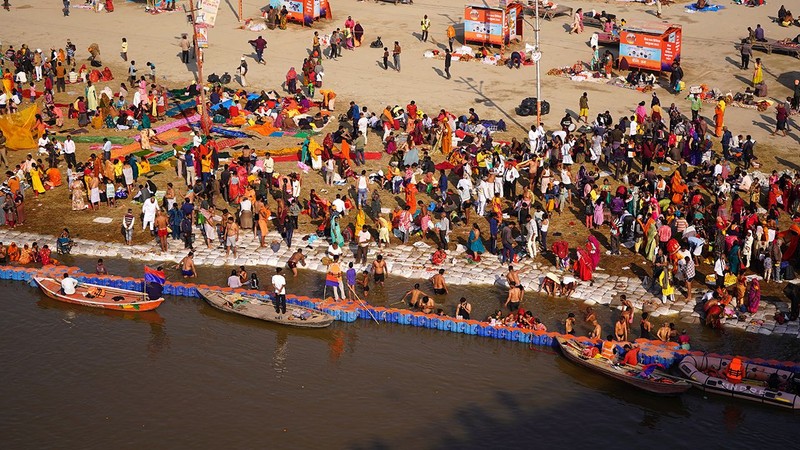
(439, 285)
(416, 294)
(663, 332)
(621, 330)
(645, 327)
(161, 224)
(187, 266)
(379, 270)
(427, 305)
(94, 190)
(297, 258)
(231, 237)
(512, 276)
(569, 324)
(596, 331)
(364, 283)
(514, 297)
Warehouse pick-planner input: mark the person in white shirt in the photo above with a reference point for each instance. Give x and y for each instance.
(531, 233)
(510, 178)
(533, 138)
(234, 281)
(334, 250)
(68, 285)
(269, 169)
(465, 188)
(361, 189)
(485, 193)
(106, 149)
(69, 151)
(279, 289)
(363, 124)
(149, 209)
(43, 141)
(364, 238)
(633, 128)
(295, 187)
(196, 140)
(338, 205)
(22, 79)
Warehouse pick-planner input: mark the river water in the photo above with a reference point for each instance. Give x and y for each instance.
(188, 376)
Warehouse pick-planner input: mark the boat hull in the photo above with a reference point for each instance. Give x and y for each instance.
(666, 385)
(249, 306)
(128, 301)
(707, 374)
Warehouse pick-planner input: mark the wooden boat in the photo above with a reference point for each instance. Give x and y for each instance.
(657, 382)
(109, 298)
(708, 373)
(247, 305)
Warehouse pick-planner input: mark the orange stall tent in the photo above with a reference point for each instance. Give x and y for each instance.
(305, 12)
(18, 128)
(497, 24)
(650, 45)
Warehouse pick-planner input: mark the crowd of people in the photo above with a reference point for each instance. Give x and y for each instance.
(650, 182)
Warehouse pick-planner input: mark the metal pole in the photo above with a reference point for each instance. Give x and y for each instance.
(198, 57)
(240, 10)
(538, 80)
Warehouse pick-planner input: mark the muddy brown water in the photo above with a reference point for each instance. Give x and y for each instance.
(188, 376)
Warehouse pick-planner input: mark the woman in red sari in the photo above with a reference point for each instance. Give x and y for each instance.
(583, 266)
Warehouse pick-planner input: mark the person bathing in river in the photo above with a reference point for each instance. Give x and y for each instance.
(439, 284)
(427, 305)
(512, 276)
(514, 298)
(416, 294)
(187, 266)
(569, 324)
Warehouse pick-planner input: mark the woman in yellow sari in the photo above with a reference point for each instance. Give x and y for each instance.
(758, 72)
(25, 255)
(361, 219)
(447, 138)
(36, 180)
(719, 117)
(8, 81)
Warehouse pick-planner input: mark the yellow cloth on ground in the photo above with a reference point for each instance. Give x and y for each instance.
(18, 129)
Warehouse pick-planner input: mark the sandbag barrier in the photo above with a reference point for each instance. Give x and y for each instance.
(652, 352)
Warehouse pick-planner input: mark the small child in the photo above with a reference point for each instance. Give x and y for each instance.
(111, 192)
(124, 49)
(152, 71)
(767, 268)
(33, 92)
(385, 58)
(364, 283)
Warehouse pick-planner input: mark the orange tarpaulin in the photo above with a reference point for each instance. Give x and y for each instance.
(265, 130)
(18, 129)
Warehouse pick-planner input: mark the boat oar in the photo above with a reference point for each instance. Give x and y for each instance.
(363, 305)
